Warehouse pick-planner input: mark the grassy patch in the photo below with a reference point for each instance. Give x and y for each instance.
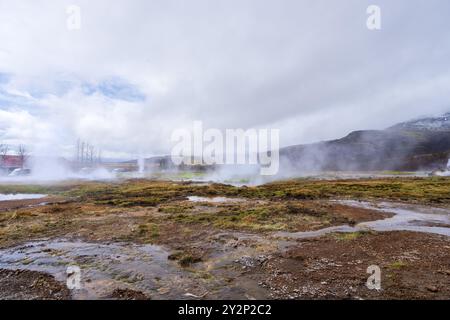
(41, 189)
(150, 230)
(422, 190)
(174, 209)
(100, 209)
(350, 236)
(145, 192)
(276, 216)
(153, 193)
(398, 265)
(397, 173)
(185, 259)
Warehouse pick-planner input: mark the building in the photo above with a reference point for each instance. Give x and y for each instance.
(11, 162)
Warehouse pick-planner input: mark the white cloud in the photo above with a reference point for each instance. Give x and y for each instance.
(310, 68)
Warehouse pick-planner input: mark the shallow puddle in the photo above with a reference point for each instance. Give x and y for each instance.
(406, 218)
(214, 199)
(104, 267)
(21, 196)
(146, 268)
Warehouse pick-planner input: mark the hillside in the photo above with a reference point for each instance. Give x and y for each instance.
(422, 144)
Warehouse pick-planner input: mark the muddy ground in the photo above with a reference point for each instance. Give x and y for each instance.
(143, 239)
(30, 285)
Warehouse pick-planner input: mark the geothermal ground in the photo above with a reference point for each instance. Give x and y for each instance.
(296, 239)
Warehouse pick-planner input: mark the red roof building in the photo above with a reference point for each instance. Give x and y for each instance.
(10, 161)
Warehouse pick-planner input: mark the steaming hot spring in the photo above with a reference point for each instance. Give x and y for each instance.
(446, 172)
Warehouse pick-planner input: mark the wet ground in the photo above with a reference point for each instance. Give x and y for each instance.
(105, 266)
(146, 269)
(222, 247)
(406, 218)
(213, 199)
(20, 196)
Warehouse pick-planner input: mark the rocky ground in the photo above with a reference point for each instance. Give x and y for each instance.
(413, 266)
(30, 285)
(225, 249)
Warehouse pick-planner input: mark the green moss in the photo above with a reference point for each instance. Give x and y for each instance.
(41, 189)
(397, 173)
(347, 236)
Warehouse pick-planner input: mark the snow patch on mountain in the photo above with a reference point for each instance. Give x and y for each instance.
(440, 123)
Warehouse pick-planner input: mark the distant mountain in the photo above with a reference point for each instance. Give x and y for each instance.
(422, 144)
(441, 123)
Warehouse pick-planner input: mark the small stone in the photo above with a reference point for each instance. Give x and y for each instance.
(163, 290)
(432, 288)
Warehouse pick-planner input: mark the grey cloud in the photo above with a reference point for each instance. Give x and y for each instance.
(310, 68)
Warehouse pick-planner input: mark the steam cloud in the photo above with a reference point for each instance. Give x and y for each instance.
(136, 72)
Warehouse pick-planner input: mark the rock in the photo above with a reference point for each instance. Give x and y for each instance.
(163, 290)
(432, 288)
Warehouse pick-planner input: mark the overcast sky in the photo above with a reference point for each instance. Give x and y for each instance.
(137, 70)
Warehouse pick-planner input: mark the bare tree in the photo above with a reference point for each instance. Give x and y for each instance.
(87, 153)
(78, 151)
(82, 151)
(4, 148)
(22, 152)
(91, 153)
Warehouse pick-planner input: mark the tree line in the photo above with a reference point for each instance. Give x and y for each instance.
(87, 153)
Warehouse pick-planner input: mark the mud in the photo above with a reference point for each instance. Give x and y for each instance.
(413, 266)
(31, 285)
(105, 267)
(117, 270)
(42, 200)
(235, 248)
